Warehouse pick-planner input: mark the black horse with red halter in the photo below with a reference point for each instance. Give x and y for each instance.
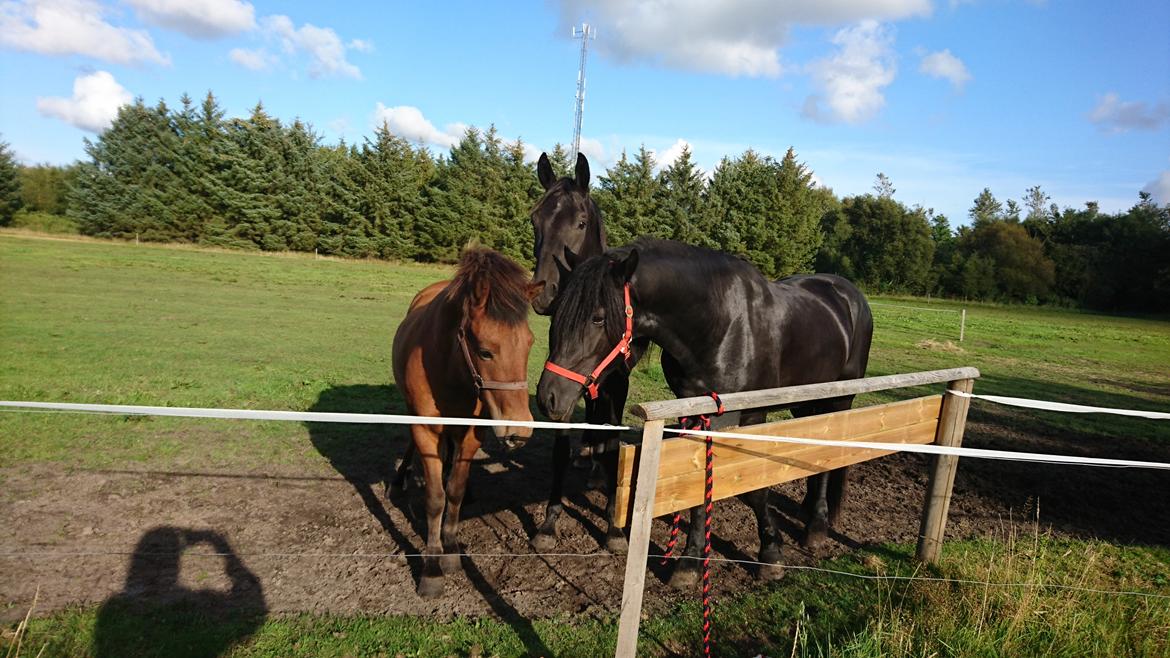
(623, 347)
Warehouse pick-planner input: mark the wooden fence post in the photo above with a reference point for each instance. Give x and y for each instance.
(952, 419)
(640, 519)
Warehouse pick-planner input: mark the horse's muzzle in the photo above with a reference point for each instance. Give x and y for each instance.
(513, 437)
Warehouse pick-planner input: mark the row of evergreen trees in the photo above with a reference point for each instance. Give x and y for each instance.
(190, 174)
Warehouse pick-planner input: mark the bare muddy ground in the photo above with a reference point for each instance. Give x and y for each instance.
(325, 541)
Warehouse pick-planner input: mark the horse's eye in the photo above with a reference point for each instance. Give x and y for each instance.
(581, 225)
(485, 355)
(599, 320)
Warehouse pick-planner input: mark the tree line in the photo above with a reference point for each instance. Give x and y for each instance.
(190, 174)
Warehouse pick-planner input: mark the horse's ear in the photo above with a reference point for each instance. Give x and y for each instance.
(582, 172)
(534, 289)
(544, 172)
(623, 268)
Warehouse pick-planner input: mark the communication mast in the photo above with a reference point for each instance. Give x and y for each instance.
(584, 33)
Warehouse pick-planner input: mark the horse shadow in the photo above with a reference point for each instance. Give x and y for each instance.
(156, 615)
(367, 455)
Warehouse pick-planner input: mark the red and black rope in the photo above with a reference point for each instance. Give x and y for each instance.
(703, 422)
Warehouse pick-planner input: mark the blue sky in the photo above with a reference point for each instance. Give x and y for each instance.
(944, 97)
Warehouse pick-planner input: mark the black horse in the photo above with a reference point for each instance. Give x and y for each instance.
(722, 327)
(568, 230)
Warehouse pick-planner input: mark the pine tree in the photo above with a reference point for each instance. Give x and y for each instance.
(629, 197)
(986, 209)
(681, 188)
(767, 211)
(562, 165)
(10, 200)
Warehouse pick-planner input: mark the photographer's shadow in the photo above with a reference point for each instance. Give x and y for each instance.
(156, 615)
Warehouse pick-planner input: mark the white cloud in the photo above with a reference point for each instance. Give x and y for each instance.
(945, 65)
(850, 82)
(73, 27)
(593, 149)
(201, 19)
(667, 157)
(361, 45)
(1160, 188)
(324, 48)
(254, 60)
(408, 122)
(95, 102)
(729, 37)
(1117, 116)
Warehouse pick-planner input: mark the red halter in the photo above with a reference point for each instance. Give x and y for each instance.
(623, 347)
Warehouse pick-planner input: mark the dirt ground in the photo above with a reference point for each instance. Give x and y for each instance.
(125, 528)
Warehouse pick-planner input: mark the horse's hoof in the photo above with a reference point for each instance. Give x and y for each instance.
(543, 542)
(770, 568)
(684, 578)
(449, 563)
(430, 587)
(816, 534)
(617, 544)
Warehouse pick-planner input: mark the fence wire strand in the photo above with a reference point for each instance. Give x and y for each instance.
(607, 556)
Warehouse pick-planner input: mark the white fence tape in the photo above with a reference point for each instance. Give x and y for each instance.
(300, 416)
(1006, 455)
(1062, 406)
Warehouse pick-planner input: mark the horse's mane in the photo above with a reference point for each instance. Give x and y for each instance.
(592, 285)
(595, 284)
(486, 272)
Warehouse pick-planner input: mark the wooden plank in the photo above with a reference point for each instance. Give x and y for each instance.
(639, 547)
(743, 465)
(683, 457)
(685, 491)
(680, 457)
(951, 424)
(773, 397)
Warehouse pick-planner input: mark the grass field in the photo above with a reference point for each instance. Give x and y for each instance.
(101, 322)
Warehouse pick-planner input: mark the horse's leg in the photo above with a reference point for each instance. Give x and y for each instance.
(427, 443)
(615, 539)
(545, 538)
(688, 568)
(461, 454)
(609, 407)
(826, 491)
(398, 485)
(769, 556)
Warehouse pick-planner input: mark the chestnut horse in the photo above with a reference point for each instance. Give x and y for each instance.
(462, 352)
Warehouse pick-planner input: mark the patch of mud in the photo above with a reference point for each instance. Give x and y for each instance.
(317, 542)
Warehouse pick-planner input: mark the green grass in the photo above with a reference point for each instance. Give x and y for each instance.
(102, 322)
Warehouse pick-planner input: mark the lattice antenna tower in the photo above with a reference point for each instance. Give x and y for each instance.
(584, 33)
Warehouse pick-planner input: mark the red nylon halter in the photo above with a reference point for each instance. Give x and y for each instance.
(623, 347)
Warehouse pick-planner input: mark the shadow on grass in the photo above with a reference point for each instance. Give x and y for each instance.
(156, 615)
